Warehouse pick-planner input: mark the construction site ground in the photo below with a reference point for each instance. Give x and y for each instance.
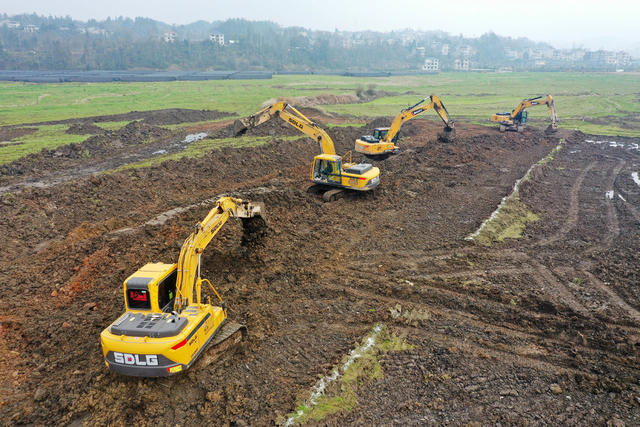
(540, 330)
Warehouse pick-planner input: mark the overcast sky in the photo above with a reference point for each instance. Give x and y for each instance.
(564, 23)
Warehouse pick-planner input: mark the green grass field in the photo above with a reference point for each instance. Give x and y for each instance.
(472, 97)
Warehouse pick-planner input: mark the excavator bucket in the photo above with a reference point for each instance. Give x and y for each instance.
(551, 129)
(239, 127)
(448, 134)
(249, 209)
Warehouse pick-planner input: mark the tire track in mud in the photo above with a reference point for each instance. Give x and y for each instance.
(632, 312)
(613, 226)
(574, 207)
(507, 331)
(547, 279)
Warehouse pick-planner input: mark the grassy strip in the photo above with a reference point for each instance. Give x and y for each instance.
(50, 136)
(200, 148)
(340, 395)
(344, 125)
(512, 216)
(474, 96)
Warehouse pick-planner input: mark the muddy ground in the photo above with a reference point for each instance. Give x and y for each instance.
(540, 330)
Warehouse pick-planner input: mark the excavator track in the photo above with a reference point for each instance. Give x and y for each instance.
(226, 341)
(332, 195)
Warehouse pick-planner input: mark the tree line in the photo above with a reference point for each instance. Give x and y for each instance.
(61, 43)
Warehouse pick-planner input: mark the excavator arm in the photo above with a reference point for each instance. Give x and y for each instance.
(188, 277)
(292, 116)
(409, 113)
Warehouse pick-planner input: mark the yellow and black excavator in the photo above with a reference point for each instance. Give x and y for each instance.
(517, 119)
(383, 141)
(328, 169)
(166, 325)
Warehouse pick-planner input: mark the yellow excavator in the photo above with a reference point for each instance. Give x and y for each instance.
(328, 169)
(166, 325)
(517, 119)
(383, 141)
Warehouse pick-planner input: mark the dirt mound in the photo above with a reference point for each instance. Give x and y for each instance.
(154, 117)
(273, 127)
(177, 115)
(84, 129)
(93, 149)
(379, 122)
(312, 101)
(8, 133)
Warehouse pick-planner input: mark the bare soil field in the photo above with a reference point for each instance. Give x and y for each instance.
(536, 331)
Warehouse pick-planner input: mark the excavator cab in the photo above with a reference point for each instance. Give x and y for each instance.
(327, 169)
(152, 288)
(380, 134)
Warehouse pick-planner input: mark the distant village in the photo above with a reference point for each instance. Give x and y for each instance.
(422, 51)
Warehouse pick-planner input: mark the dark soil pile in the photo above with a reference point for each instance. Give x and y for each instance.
(84, 129)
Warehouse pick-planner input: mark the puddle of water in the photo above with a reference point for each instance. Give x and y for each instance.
(635, 177)
(193, 137)
(615, 144)
(609, 194)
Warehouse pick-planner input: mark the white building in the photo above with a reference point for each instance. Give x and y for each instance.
(462, 64)
(445, 50)
(31, 28)
(217, 38)
(512, 53)
(10, 24)
(431, 64)
(466, 51)
(169, 36)
(623, 58)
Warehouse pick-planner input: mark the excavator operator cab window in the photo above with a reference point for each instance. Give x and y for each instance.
(167, 292)
(322, 169)
(380, 133)
(138, 298)
(523, 117)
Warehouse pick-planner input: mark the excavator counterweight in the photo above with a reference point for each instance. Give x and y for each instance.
(166, 326)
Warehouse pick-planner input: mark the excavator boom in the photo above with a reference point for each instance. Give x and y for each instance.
(291, 115)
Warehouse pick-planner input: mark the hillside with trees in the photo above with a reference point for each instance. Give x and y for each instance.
(33, 42)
